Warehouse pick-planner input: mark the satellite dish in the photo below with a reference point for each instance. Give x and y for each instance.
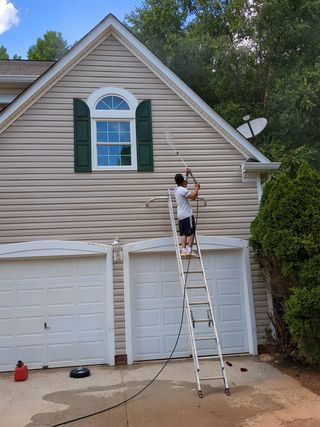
(252, 127)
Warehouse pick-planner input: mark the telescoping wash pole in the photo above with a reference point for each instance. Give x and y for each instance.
(172, 146)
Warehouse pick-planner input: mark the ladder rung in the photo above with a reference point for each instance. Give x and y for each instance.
(195, 286)
(204, 338)
(199, 303)
(201, 320)
(193, 271)
(211, 378)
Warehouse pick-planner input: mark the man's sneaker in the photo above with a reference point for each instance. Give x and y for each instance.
(183, 253)
(191, 253)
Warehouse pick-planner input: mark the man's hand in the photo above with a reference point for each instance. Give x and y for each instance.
(188, 170)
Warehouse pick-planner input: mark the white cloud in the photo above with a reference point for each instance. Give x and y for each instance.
(8, 15)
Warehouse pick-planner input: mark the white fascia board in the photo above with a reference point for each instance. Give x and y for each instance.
(233, 136)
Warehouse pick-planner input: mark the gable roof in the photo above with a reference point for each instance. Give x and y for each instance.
(110, 24)
(23, 67)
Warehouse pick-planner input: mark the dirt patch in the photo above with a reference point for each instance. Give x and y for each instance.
(308, 377)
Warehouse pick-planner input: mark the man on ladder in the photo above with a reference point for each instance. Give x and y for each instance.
(184, 212)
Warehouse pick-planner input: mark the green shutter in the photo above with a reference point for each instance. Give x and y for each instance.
(144, 136)
(82, 136)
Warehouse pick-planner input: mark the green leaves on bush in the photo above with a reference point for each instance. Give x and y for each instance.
(287, 228)
(303, 318)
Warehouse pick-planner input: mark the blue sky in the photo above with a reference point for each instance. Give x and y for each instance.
(23, 21)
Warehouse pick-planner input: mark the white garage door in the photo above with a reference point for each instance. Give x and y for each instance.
(157, 303)
(52, 312)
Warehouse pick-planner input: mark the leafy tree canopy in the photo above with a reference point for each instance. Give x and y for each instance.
(49, 48)
(259, 57)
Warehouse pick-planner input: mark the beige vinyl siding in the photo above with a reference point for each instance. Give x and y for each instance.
(42, 198)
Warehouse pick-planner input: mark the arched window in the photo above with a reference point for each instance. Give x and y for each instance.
(112, 112)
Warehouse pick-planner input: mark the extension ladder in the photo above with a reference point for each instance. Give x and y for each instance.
(192, 303)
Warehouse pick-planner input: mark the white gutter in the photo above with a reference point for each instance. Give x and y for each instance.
(259, 167)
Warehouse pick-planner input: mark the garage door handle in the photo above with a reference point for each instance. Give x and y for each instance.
(45, 325)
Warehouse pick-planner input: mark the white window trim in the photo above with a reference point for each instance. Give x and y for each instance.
(98, 115)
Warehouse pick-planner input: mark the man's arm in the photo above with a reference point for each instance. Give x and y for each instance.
(195, 192)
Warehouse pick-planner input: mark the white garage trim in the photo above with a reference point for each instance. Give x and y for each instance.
(59, 248)
(49, 248)
(166, 244)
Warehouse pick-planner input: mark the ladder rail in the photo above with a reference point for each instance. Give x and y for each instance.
(212, 313)
(183, 283)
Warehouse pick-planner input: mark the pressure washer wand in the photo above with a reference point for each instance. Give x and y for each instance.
(181, 159)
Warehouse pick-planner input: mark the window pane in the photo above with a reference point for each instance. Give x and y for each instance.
(124, 126)
(105, 103)
(112, 103)
(102, 126)
(114, 150)
(102, 155)
(113, 126)
(126, 155)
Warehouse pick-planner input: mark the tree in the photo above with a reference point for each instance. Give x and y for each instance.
(3, 53)
(49, 48)
(259, 57)
(16, 57)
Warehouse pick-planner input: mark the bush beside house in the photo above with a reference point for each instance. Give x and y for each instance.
(286, 239)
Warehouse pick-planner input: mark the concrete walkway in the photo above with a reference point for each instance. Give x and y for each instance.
(260, 396)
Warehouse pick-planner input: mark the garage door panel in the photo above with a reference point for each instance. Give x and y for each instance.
(32, 354)
(30, 297)
(61, 353)
(7, 328)
(27, 326)
(146, 291)
(148, 347)
(147, 317)
(228, 287)
(231, 313)
(92, 351)
(93, 323)
(6, 357)
(182, 347)
(90, 294)
(7, 299)
(60, 295)
(232, 340)
(172, 316)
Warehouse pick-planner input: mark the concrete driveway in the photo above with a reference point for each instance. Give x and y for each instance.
(260, 396)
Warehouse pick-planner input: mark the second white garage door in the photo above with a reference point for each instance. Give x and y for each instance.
(156, 304)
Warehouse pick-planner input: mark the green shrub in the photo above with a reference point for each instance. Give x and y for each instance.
(286, 230)
(303, 318)
(286, 240)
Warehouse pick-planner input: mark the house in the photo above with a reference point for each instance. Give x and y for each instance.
(82, 152)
